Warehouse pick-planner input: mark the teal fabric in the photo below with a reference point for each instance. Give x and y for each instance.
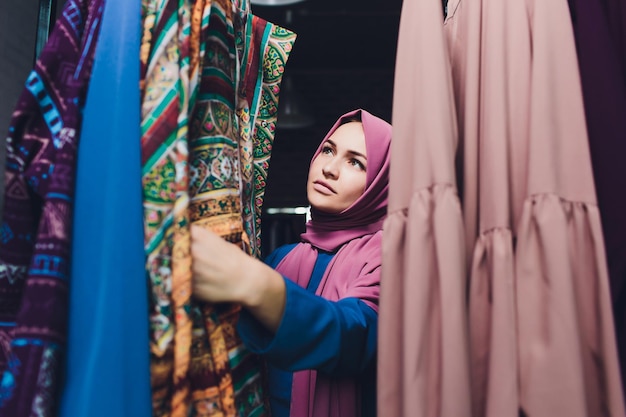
(107, 368)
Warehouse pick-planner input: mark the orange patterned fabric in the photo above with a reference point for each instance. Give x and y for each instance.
(200, 152)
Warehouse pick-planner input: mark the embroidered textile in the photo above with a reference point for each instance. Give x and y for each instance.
(258, 111)
(198, 156)
(36, 226)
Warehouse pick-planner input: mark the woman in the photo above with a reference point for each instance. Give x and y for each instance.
(311, 310)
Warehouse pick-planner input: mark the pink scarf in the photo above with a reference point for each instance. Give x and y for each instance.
(356, 235)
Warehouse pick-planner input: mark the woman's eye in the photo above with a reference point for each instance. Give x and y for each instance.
(327, 150)
(357, 163)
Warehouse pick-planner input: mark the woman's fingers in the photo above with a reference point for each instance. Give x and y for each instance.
(218, 267)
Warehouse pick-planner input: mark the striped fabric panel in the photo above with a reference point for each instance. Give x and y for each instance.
(164, 158)
(274, 48)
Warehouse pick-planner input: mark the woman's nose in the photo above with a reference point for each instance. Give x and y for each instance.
(330, 169)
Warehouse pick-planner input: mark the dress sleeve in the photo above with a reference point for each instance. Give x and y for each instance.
(334, 338)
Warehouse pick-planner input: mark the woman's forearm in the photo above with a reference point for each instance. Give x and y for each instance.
(265, 298)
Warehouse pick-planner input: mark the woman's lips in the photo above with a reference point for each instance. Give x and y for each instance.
(323, 188)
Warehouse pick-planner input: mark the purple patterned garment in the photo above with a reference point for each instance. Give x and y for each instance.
(37, 215)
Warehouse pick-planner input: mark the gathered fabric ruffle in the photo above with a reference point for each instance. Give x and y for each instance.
(423, 315)
(493, 340)
(565, 320)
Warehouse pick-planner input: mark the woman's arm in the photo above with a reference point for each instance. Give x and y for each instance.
(304, 331)
(337, 338)
(222, 272)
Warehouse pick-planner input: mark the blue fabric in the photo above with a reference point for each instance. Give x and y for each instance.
(340, 339)
(321, 263)
(277, 255)
(279, 381)
(107, 368)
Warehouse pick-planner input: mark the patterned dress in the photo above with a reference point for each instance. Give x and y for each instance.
(35, 233)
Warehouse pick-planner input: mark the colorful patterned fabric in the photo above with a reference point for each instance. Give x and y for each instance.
(36, 227)
(214, 188)
(164, 160)
(263, 65)
(198, 155)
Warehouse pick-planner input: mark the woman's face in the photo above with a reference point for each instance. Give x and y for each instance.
(337, 175)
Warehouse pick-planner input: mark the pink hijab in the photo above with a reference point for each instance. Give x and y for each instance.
(366, 215)
(356, 235)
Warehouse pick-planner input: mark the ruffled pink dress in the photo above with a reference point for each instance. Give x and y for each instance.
(536, 333)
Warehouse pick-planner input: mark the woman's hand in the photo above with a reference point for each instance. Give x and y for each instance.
(220, 269)
(222, 272)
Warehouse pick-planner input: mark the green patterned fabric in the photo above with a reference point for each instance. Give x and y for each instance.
(261, 88)
(211, 79)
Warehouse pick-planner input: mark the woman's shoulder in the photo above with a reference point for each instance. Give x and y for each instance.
(278, 254)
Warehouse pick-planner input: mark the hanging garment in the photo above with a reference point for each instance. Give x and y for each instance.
(165, 108)
(107, 366)
(541, 338)
(423, 368)
(267, 48)
(39, 191)
(166, 76)
(201, 130)
(229, 168)
(603, 76)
